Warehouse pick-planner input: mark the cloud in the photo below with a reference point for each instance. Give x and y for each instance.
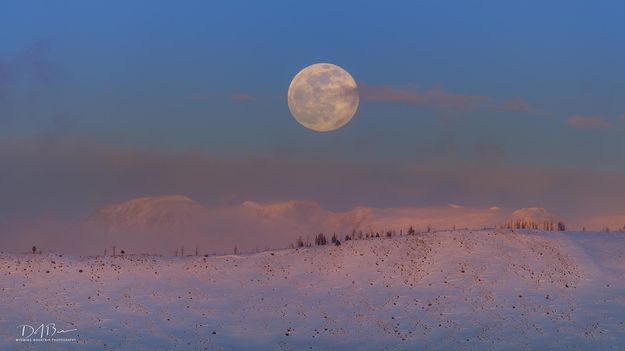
(442, 100)
(518, 104)
(596, 123)
(241, 97)
(435, 97)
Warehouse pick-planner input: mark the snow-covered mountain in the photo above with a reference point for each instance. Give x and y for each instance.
(180, 221)
(150, 213)
(154, 213)
(532, 218)
(535, 214)
(165, 224)
(458, 290)
(612, 222)
(299, 210)
(438, 218)
(308, 214)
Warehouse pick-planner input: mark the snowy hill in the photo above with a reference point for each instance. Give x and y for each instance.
(460, 290)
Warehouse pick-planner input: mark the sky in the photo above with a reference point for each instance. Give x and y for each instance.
(480, 104)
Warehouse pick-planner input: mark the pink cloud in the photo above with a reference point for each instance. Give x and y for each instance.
(435, 97)
(593, 122)
(241, 97)
(518, 104)
(440, 99)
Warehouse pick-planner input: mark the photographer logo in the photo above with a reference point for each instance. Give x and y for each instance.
(44, 333)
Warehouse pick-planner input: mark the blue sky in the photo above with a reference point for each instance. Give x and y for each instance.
(210, 78)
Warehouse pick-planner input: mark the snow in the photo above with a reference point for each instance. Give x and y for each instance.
(533, 214)
(149, 213)
(451, 290)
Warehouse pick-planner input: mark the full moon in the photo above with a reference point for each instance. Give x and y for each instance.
(323, 97)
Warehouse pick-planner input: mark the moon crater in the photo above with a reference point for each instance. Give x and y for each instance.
(323, 97)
